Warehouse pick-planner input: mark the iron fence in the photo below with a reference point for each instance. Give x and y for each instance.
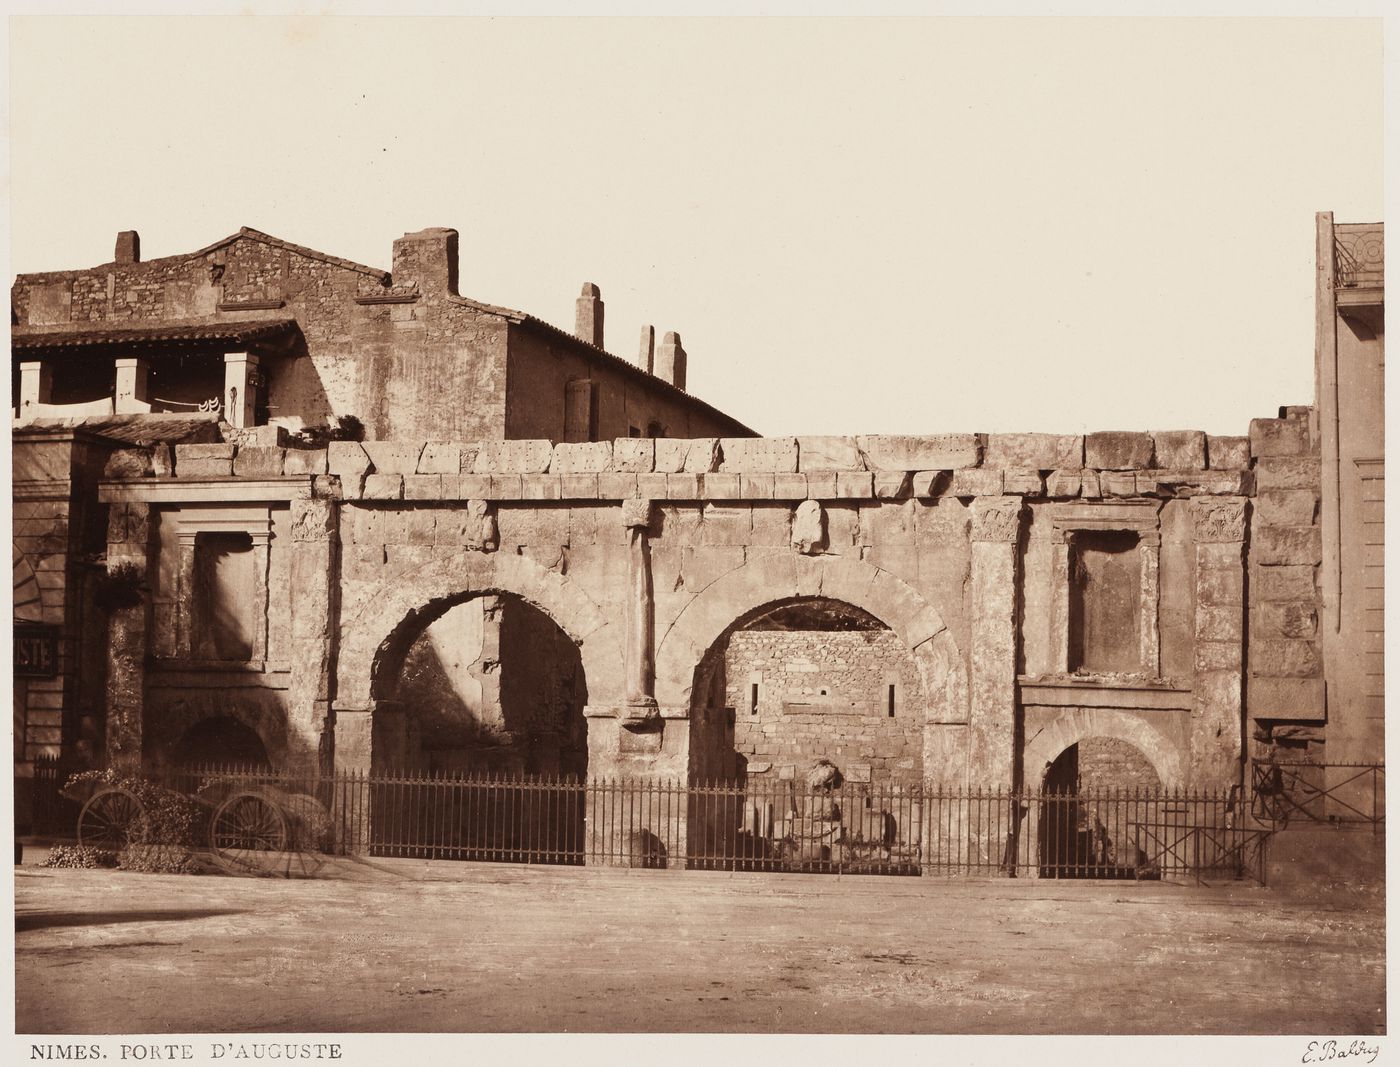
(765, 825)
(1318, 793)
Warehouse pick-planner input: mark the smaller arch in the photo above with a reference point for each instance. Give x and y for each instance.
(220, 739)
(1073, 726)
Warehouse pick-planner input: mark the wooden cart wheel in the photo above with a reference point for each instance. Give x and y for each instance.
(248, 835)
(111, 819)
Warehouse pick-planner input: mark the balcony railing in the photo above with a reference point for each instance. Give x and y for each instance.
(1360, 256)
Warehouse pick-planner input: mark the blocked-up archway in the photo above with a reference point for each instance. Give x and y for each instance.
(807, 679)
(220, 739)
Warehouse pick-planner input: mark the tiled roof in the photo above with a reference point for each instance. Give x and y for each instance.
(71, 335)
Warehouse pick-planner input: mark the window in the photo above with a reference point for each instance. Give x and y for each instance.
(226, 597)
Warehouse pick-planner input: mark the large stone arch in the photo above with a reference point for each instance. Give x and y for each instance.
(779, 576)
(1076, 724)
(400, 604)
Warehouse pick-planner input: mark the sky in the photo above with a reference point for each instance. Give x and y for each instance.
(856, 225)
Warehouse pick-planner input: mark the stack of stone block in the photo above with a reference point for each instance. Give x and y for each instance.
(1287, 703)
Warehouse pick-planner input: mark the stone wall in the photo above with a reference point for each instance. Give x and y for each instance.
(1286, 694)
(825, 695)
(1107, 763)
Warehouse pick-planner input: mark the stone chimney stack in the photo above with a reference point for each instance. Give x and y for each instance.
(588, 315)
(428, 258)
(647, 352)
(670, 360)
(128, 247)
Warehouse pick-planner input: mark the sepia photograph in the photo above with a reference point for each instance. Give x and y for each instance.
(788, 525)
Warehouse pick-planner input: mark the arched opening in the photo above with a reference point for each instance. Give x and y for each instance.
(221, 739)
(482, 689)
(803, 680)
(1096, 796)
(487, 684)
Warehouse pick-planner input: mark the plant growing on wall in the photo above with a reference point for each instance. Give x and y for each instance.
(119, 587)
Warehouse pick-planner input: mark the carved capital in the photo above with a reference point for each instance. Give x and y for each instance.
(636, 512)
(1219, 519)
(482, 535)
(313, 520)
(996, 518)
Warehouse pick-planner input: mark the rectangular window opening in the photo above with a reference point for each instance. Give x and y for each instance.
(890, 702)
(753, 699)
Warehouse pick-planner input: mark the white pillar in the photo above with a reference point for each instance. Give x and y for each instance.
(239, 368)
(133, 391)
(35, 388)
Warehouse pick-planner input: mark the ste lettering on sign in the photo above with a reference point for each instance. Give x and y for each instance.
(36, 650)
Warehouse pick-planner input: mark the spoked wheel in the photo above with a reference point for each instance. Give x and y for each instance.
(249, 835)
(111, 819)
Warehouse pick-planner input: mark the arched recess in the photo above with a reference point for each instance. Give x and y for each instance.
(170, 722)
(221, 739)
(1074, 726)
(764, 580)
(394, 610)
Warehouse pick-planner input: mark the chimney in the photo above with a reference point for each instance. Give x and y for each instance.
(128, 247)
(647, 352)
(429, 259)
(588, 315)
(670, 360)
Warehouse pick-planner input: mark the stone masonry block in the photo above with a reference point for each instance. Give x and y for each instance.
(904, 452)
(347, 459)
(1220, 585)
(578, 486)
(929, 483)
(1287, 545)
(1118, 450)
(682, 486)
(423, 486)
(129, 463)
(505, 487)
(1286, 507)
(539, 487)
(894, 485)
(304, 461)
(383, 487)
(790, 486)
(1089, 485)
(1296, 619)
(985, 481)
(1227, 453)
(758, 455)
(613, 485)
(587, 457)
(821, 485)
(258, 462)
(1279, 437)
(1039, 451)
(703, 456)
(1118, 483)
(1288, 472)
(1187, 483)
(634, 455)
(204, 461)
(855, 485)
(1284, 583)
(439, 457)
(722, 487)
(669, 454)
(1219, 623)
(829, 454)
(513, 457)
(1023, 482)
(756, 486)
(1179, 449)
(1063, 485)
(1288, 699)
(393, 457)
(473, 487)
(651, 486)
(327, 487)
(1281, 658)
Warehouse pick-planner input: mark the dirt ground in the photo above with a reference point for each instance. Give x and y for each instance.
(414, 947)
